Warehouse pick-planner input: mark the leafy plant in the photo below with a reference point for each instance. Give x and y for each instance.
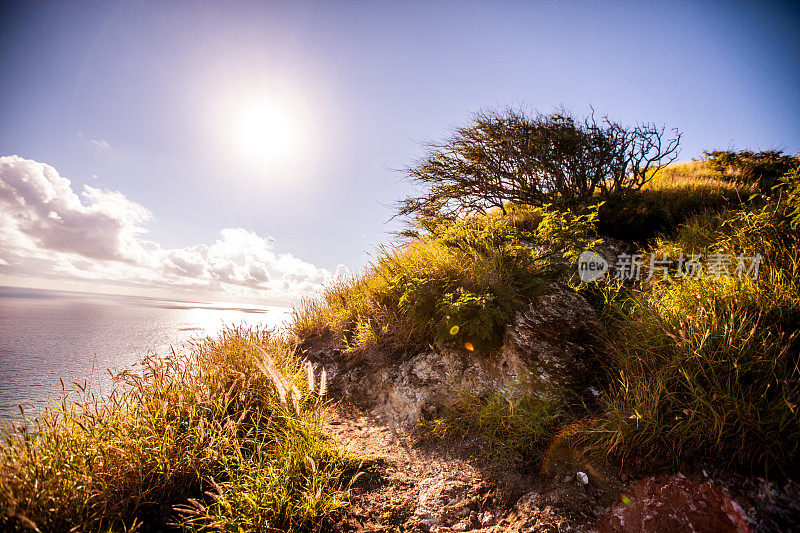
(566, 231)
(789, 185)
(472, 273)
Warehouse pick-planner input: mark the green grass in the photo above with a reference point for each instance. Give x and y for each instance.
(515, 426)
(203, 440)
(415, 295)
(708, 368)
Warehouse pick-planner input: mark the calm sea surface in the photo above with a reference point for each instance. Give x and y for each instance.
(47, 335)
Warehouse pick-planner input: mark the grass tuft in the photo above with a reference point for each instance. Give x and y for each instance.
(512, 424)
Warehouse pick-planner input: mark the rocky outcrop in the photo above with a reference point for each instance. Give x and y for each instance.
(547, 349)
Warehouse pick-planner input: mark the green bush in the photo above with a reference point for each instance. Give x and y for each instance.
(460, 284)
(789, 186)
(758, 168)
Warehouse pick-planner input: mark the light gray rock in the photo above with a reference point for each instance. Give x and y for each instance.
(547, 350)
(439, 499)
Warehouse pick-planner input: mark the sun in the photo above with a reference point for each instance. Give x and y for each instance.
(266, 131)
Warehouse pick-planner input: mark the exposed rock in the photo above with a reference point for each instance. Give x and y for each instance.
(546, 350)
(772, 507)
(674, 503)
(610, 249)
(532, 513)
(552, 342)
(486, 519)
(450, 501)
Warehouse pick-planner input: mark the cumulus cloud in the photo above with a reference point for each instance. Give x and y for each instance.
(40, 210)
(48, 230)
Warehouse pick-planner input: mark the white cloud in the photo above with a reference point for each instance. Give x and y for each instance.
(49, 231)
(102, 143)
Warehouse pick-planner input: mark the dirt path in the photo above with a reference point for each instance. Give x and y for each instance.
(439, 487)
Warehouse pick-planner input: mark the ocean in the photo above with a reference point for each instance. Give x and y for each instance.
(46, 336)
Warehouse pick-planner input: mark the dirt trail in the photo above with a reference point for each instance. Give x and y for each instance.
(441, 487)
(431, 487)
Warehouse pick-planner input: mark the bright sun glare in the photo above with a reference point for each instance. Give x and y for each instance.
(266, 131)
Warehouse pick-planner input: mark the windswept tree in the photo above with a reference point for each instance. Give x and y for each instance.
(509, 156)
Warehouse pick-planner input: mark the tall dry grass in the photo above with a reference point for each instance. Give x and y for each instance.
(226, 436)
(708, 368)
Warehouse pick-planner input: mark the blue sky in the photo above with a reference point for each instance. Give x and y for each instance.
(144, 104)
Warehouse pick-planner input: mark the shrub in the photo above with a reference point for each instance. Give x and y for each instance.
(789, 186)
(470, 278)
(461, 284)
(758, 168)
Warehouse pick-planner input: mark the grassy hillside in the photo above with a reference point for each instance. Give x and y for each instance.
(709, 367)
(695, 368)
(461, 284)
(668, 200)
(228, 436)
